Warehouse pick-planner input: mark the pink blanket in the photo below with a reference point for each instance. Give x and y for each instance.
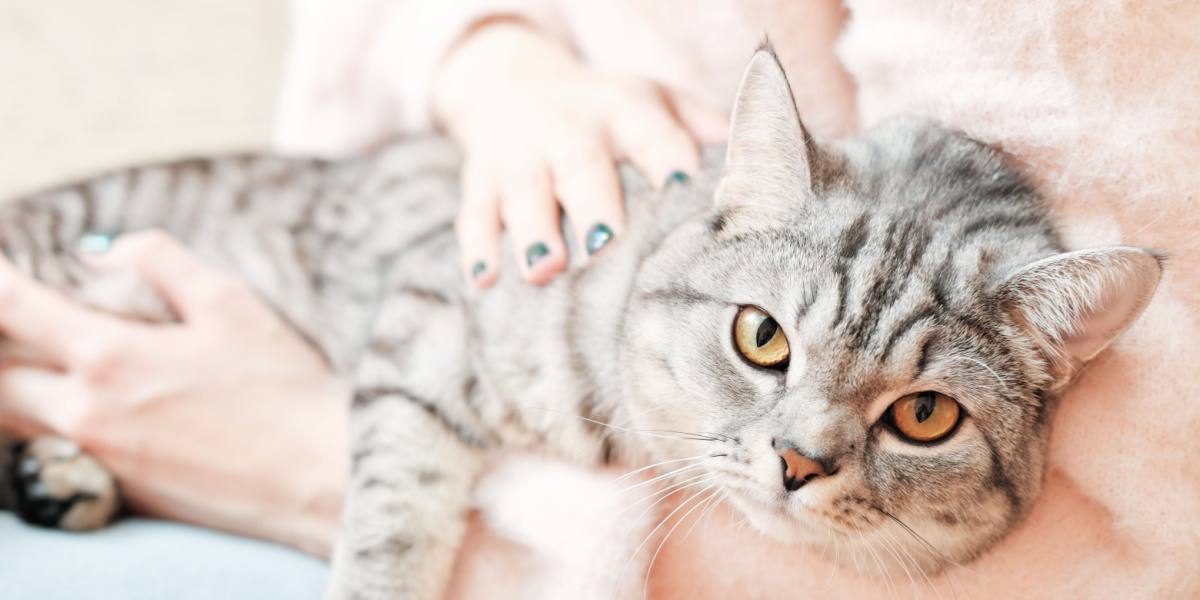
(1099, 101)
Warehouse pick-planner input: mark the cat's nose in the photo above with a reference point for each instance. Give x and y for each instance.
(798, 469)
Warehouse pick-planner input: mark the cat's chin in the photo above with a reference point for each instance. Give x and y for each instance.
(776, 521)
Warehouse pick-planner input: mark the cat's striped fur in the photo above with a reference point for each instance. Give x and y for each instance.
(896, 262)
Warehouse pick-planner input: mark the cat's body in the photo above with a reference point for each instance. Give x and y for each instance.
(892, 264)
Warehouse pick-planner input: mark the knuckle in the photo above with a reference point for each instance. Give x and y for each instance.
(99, 362)
(225, 293)
(583, 156)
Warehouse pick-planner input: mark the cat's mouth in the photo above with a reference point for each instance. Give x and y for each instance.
(783, 516)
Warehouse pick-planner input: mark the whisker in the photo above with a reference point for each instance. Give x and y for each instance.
(659, 464)
(891, 550)
(653, 531)
(916, 564)
(671, 473)
(682, 518)
(720, 498)
(875, 557)
(659, 433)
(989, 369)
(837, 554)
(927, 547)
(701, 479)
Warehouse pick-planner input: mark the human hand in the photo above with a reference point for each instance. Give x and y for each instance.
(539, 130)
(225, 419)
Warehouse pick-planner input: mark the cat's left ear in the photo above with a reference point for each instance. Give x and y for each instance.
(1075, 304)
(769, 156)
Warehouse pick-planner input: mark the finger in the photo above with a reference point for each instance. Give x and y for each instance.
(706, 124)
(478, 228)
(194, 289)
(649, 136)
(54, 327)
(585, 181)
(531, 216)
(34, 398)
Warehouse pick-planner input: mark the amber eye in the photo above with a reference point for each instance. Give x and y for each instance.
(925, 416)
(759, 338)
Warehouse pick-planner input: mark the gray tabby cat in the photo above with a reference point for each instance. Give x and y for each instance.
(858, 343)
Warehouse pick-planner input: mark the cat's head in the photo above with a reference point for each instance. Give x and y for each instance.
(862, 343)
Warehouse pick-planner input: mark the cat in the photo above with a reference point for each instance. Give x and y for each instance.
(856, 343)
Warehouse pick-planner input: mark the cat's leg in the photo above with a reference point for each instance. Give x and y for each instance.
(406, 502)
(53, 483)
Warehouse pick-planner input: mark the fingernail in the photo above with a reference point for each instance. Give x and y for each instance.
(676, 177)
(478, 269)
(94, 243)
(536, 252)
(597, 237)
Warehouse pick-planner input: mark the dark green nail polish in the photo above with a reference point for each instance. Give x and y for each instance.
(597, 237)
(536, 252)
(677, 177)
(94, 243)
(478, 269)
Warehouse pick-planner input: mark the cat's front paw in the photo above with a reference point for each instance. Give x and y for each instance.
(57, 485)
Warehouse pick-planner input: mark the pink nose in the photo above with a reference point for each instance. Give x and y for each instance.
(798, 469)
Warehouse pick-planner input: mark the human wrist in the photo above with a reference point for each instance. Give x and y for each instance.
(311, 499)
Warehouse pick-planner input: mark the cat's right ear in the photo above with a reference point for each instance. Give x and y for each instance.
(769, 153)
(1075, 304)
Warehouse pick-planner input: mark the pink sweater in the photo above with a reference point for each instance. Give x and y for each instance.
(1100, 102)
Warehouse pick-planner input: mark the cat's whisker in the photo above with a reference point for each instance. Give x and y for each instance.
(659, 464)
(837, 554)
(987, 368)
(664, 521)
(928, 547)
(668, 474)
(891, 550)
(719, 499)
(678, 522)
(915, 563)
(854, 555)
(875, 557)
(657, 433)
(663, 494)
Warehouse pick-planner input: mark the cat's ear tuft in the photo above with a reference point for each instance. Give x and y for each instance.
(769, 153)
(1075, 304)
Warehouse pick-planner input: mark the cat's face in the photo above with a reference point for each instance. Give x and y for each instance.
(860, 345)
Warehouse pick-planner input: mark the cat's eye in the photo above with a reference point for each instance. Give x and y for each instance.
(925, 416)
(759, 338)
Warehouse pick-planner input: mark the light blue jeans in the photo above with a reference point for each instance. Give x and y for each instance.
(138, 559)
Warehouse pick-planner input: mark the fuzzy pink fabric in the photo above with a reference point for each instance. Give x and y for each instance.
(1100, 103)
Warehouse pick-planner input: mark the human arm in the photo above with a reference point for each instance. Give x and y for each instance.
(226, 419)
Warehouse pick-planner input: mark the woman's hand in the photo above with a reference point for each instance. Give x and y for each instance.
(539, 130)
(226, 419)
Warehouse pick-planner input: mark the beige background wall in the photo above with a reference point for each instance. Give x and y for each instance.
(92, 84)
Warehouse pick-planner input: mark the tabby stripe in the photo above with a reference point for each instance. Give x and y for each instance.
(1000, 478)
(431, 296)
(853, 239)
(368, 396)
(923, 357)
(680, 295)
(925, 313)
(1002, 221)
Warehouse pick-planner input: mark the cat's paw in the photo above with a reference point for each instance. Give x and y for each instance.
(57, 485)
